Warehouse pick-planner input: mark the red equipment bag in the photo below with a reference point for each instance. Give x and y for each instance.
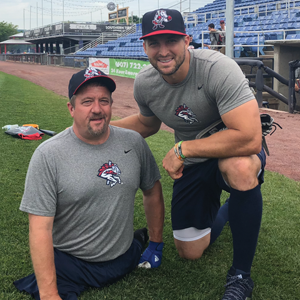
(26, 133)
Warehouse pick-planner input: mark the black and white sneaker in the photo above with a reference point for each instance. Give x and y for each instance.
(238, 288)
(142, 236)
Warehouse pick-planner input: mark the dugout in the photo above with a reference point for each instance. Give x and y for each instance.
(66, 38)
(285, 51)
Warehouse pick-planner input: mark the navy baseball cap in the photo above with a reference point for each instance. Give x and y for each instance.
(80, 78)
(162, 21)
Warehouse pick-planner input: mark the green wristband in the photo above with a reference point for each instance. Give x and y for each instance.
(180, 150)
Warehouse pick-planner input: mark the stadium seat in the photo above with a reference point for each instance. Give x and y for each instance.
(291, 36)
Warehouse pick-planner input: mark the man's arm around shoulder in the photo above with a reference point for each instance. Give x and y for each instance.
(42, 255)
(145, 126)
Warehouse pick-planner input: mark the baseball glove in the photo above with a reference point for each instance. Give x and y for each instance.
(268, 126)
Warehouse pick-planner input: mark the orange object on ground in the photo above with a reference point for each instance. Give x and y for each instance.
(32, 125)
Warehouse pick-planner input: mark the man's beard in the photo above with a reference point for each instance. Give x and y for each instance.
(100, 131)
(176, 68)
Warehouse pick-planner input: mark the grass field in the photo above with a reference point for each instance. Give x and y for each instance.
(276, 267)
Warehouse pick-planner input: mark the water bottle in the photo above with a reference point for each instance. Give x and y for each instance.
(9, 127)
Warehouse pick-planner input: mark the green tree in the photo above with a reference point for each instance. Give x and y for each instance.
(6, 30)
(136, 20)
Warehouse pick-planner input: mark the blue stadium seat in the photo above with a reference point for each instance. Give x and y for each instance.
(291, 36)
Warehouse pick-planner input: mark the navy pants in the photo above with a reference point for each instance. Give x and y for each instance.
(75, 275)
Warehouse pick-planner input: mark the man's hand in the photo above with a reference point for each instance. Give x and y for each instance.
(173, 165)
(152, 256)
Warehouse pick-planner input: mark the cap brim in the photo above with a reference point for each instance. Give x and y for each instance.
(110, 83)
(162, 32)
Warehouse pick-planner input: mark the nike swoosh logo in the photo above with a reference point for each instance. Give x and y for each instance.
(200, 87)
(127, 151)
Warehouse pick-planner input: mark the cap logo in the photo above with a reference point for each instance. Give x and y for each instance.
(91, 72)
(160, 17)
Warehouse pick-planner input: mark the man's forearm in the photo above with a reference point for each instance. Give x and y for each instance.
(155, 212)
(227, 143)
(42, 255)
(134, 123)
(242, 138)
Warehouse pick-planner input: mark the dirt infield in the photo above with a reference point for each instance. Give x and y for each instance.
(283, 144)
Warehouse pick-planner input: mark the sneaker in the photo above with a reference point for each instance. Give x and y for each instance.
(238, 288)
(142, 236)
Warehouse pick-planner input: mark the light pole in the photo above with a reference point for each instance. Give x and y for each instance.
(63, 24)
(42, 15)
(37, 17)
(24, 18)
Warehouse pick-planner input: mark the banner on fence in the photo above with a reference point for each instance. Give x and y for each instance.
(126, 67)
(101, 64)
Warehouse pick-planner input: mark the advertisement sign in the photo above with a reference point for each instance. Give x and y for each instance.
(47, 30)
(37, 31)
(126, 67)
(58, 27)
(122, 13)
(112, 16)
(116, 27)
(83, 26)
(100, 63)
(28, 33)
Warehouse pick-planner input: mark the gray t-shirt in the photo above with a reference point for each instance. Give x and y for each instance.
(223, 35)
(90, 190)
(213, 86)
(214, 37)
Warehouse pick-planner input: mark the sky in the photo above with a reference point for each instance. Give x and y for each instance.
(35, 13)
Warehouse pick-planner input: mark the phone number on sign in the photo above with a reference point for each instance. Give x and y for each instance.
(131, 65)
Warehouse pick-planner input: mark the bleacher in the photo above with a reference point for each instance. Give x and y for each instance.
(254, 22)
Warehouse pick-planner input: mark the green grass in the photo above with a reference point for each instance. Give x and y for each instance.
(276, 267)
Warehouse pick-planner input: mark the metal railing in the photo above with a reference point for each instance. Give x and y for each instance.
(203, 17)
(282, 33)
(104, 38)
(83, 62)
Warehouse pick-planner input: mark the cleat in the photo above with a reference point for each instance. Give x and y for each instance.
(238, 288)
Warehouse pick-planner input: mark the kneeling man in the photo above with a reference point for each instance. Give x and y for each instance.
(79, 194)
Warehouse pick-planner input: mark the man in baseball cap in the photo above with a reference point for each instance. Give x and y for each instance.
(79, 194)
(189, 90)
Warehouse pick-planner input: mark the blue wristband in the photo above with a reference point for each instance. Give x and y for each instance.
(152, 256)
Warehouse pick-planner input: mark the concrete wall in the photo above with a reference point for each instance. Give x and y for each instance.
(284, 52)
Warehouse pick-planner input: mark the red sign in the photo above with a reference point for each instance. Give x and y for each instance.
(99, 64)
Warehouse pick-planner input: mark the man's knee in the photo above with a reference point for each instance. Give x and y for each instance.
(240, 172)
(192, 250)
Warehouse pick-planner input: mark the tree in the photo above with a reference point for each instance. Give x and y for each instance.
(136, 20)
(6, 30)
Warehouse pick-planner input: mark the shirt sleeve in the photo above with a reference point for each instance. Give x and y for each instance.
(227, 85)
(39, 197)
(141, 98)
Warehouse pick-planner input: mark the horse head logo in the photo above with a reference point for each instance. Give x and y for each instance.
(186, 114)
(111, 173)
(91, 72)
(160, 17)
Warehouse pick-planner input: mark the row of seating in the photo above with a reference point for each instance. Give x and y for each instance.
(249, 29)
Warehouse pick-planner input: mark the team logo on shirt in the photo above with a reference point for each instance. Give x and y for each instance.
(160, 17)
(111, 173)
(186, 114)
